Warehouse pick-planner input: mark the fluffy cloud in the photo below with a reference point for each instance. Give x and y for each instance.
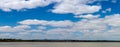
(13, 29)
(83, 29)
(113, 20)
(75, 7)
(5, 28)
(33, 22)
(8, 5)
(62, 6)
(45, 23)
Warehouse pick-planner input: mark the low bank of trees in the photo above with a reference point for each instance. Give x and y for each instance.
(45, 40)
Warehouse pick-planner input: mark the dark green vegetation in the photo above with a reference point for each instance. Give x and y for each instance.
(20, 40)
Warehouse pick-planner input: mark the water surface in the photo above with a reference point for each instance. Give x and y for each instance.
(59, 44)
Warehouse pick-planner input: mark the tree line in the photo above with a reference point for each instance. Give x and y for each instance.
(45, 40)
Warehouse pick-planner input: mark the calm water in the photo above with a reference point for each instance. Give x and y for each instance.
(59, 44)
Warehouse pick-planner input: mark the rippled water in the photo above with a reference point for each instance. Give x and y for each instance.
(59, 44)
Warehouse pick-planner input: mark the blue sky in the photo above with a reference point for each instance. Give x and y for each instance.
(60, 19)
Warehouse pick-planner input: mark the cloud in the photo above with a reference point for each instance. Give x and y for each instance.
(46, 23)
(6, 35)
(22, 27)
(113, 20)
(8, 5)
(13, 29)
(107, 10)
(88, 16)
(61, 6)
(76, 7)
(84, 29)
(5, 28)
(33, 22)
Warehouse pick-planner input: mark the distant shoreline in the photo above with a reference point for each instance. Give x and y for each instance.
(20, 40)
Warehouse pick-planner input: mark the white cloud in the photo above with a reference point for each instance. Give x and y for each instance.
(113, 20)
(45, 23)
(64, 23)
(8, 5)
(14, 29)
(75, 7)
(22, 27)
(92, 28)
(6, 28)
(6, 35)
(33, 22)
(88, 28)
(88, 16)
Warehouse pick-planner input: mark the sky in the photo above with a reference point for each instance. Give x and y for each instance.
(60, 19)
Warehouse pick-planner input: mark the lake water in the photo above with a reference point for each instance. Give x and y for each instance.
(59, 44)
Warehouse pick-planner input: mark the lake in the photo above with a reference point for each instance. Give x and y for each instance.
(59, 44)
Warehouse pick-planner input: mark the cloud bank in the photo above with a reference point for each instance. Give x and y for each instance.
(84, 29)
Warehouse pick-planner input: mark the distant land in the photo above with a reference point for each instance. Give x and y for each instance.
(45, 40)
